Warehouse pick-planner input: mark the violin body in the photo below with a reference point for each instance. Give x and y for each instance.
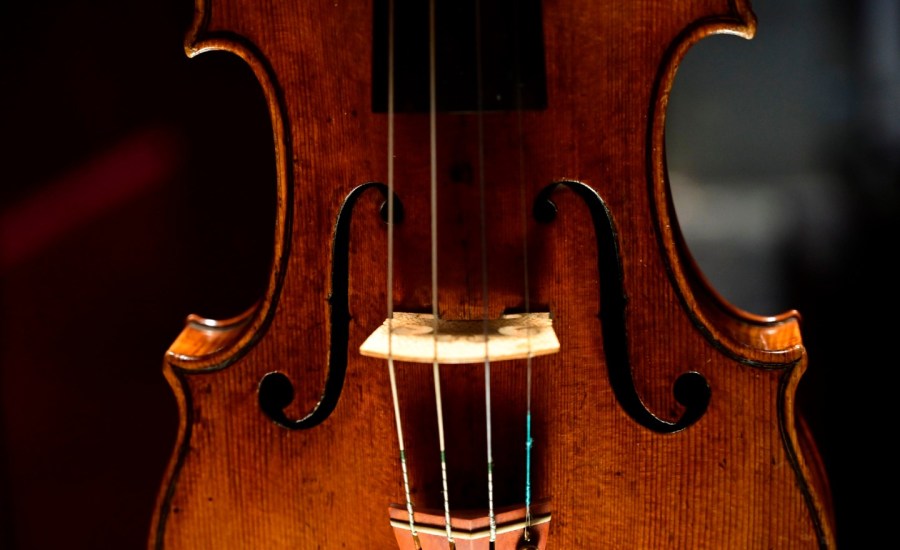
(665, 420)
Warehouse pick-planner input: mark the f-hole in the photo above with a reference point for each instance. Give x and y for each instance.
(690, 389)
(276, 391)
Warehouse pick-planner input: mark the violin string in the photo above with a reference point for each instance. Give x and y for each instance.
(390, 277)
(485, 295)
(432, 92)
(529, 442)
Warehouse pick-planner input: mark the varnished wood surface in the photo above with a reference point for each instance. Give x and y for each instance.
(744, 476)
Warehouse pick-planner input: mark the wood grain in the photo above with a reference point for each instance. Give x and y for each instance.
(745, 475)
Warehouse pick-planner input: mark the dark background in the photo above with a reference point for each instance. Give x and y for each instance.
(137, 188)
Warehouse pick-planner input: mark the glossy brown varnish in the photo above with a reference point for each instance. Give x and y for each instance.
(745, 476)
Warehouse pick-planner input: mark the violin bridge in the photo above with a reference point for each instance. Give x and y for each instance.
(417, 338)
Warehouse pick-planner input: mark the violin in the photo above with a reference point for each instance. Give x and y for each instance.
(482, 326)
